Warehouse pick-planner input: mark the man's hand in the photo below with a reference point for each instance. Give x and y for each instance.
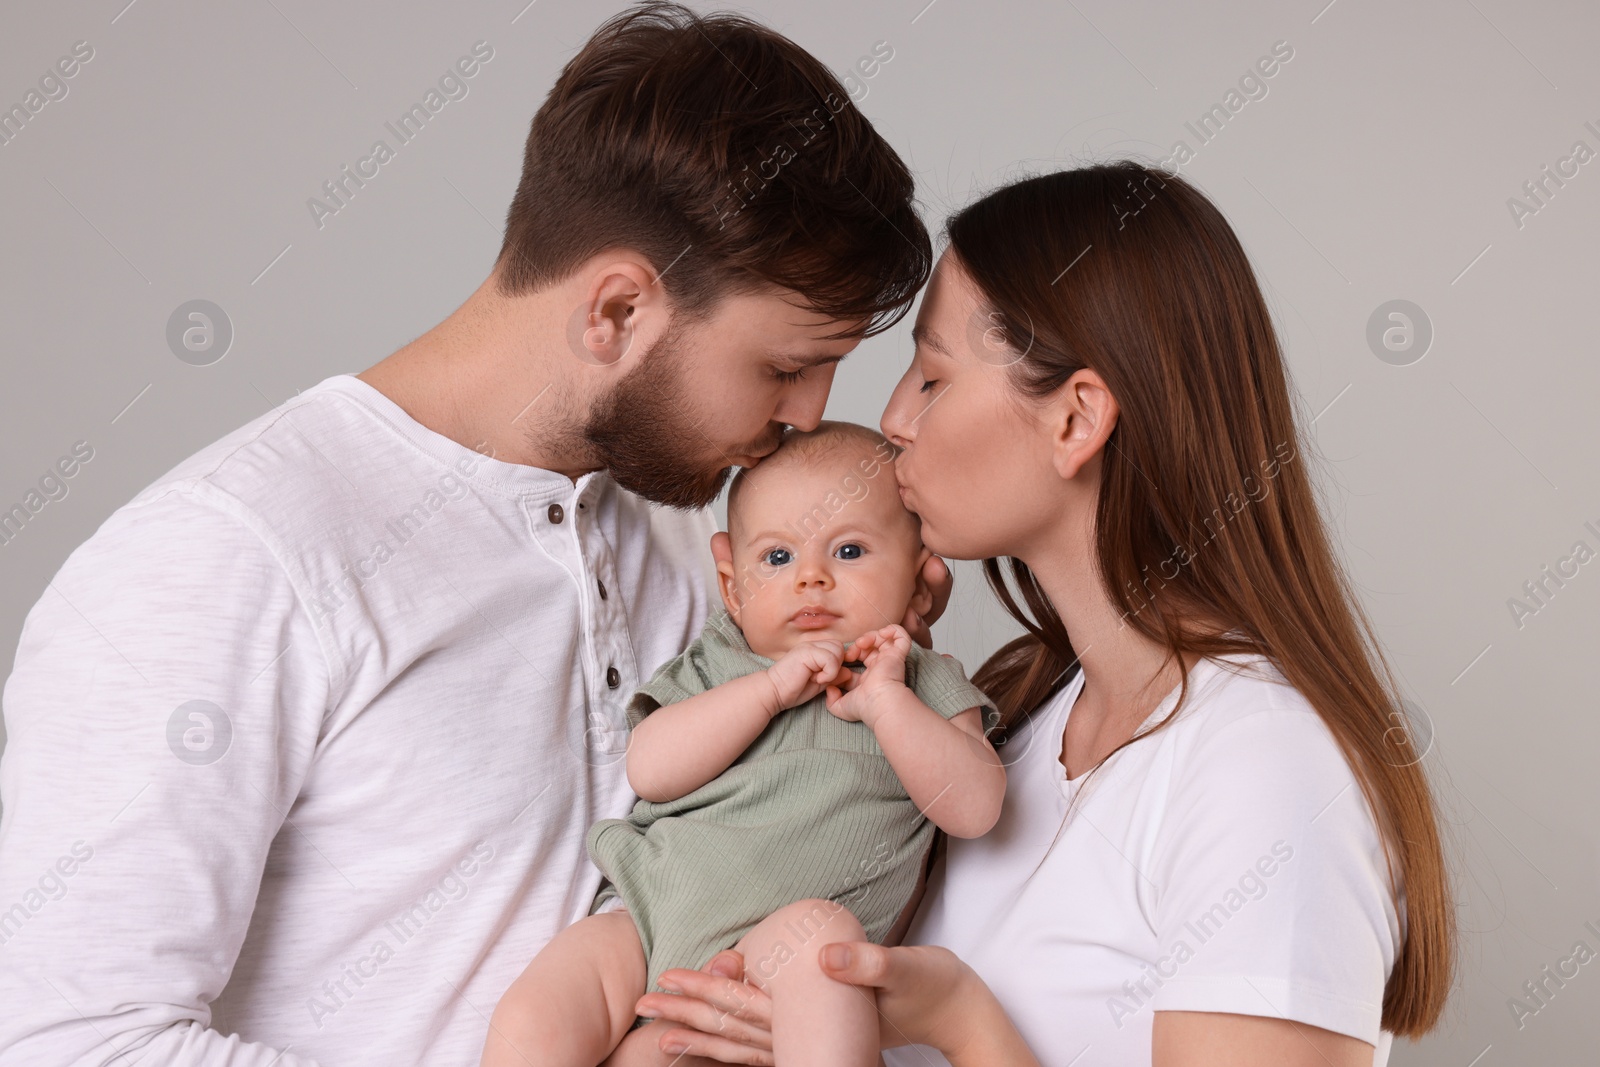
(940, 582)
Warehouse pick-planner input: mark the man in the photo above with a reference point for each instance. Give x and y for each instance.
(304, 741)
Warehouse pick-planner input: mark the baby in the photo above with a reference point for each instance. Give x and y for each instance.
(785, 798)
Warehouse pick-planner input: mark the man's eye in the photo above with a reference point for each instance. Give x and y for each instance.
(781, 552)
(789, 377)
(926, 385)
(846, 548)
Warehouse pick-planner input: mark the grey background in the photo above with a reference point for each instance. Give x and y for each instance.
(1378, 167)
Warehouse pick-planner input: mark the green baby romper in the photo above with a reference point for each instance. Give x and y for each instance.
(811, 809)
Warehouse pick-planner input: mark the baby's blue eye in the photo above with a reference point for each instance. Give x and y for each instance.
(776, 552)
(847, 547)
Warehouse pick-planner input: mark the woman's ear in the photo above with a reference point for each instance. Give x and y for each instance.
(722, 552)
(1083, 415)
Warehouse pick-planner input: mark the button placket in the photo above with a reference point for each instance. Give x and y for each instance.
(613, 646)
(564, 541)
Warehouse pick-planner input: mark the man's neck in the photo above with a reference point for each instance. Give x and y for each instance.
(481, 379)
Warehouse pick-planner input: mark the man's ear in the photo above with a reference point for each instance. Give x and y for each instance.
(622, 302)
(921, 594)
(722, 552)
(1081, 420)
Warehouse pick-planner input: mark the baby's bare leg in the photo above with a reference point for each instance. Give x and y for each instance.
(816, 1020)
(574, 1002)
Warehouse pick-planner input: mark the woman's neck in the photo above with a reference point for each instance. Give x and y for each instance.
(1125, 674)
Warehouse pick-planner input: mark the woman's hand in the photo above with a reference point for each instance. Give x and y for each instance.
(926, 996)
(925, 992)
(940, 582)
(719, 1015)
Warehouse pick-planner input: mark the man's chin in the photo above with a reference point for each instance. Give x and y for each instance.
(690, 494)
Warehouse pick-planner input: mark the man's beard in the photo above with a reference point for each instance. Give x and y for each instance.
(643, 435)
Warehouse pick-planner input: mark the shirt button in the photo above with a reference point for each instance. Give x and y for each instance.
(613, 679)
(555, 513)
(602, 586)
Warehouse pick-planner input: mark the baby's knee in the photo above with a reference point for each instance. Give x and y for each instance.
(792, 936)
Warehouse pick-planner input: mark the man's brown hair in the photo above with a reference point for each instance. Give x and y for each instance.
(730, 158)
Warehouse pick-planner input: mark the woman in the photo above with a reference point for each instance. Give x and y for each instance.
(1217, 845)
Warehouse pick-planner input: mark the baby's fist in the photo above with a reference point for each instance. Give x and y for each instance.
(805, 670)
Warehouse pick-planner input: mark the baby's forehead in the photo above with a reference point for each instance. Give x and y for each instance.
(818, 497)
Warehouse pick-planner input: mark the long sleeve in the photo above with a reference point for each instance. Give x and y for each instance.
(158, 738)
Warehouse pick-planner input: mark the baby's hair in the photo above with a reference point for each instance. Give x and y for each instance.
(801, 446)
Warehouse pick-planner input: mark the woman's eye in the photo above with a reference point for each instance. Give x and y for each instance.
(789, 377)
(852, 546)
(926, 385)
(776, 552)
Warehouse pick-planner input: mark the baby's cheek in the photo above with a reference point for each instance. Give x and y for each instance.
(763, 627)
(885, 595)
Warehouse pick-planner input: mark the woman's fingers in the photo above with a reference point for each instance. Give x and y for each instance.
(940, 582)
(728, 963)
(923, 968)
(713, 1047)
(859, 963)
(920, 989)
(693, 1016)
(717, 1004)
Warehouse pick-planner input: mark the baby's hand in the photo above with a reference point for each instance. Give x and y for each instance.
(884, 652)
(806, 669)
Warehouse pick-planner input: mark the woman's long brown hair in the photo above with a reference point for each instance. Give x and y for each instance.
(1208, 534)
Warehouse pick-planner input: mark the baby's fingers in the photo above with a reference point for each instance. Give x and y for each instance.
(836, 705)
(896, 636)
(862, 645)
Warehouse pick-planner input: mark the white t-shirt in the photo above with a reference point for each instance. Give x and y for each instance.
(1226, 863)
(305, 740)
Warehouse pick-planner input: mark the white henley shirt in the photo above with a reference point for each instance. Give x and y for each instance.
(305, 739)
(1228, 862)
